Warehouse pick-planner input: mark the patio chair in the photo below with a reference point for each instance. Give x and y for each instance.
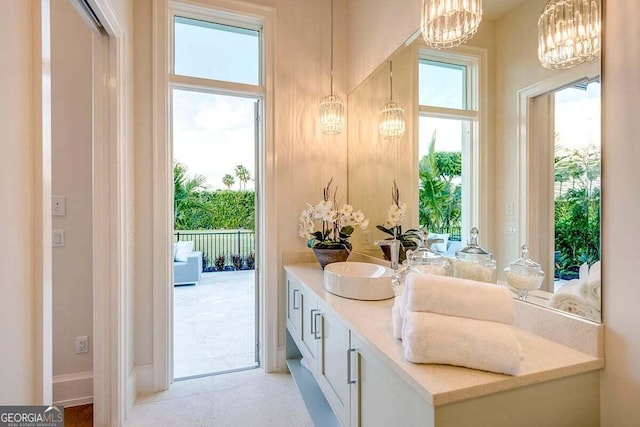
(187, 266)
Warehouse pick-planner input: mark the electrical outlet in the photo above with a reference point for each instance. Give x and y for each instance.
(82, 344)
(366, 236)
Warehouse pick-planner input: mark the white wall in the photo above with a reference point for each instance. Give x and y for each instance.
(375, 30)
(620, 390)
(71, 91)
(143, 318)
(17, 255)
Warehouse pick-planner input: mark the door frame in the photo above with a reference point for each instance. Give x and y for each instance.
(267, 261)
(182, 84)
(111, 215)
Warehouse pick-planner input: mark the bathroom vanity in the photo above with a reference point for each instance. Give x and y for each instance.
(351, 371)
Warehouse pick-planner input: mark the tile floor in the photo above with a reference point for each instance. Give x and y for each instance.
(214, 324)
(246, 398)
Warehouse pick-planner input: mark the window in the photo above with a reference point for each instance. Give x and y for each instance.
(434, 76)
(448, 94)
(214, 51)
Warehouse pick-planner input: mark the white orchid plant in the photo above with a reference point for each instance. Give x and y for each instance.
(337, 223)
(395, 215)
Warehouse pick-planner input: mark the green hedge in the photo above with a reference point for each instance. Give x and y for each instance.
(220, 209)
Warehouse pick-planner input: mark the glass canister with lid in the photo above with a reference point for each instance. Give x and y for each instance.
(424, 260)
(524, 275)
(475, 263)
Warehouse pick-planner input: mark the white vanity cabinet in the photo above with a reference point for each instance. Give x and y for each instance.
(333, 366)
(323, 341)
(379, 397)
(358, 376)
(358, 387)
(294, 311)
(309, 334)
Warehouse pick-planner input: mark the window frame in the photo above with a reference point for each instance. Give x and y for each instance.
(215, 16)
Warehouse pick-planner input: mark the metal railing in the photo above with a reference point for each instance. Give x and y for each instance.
(455, 232)
(214, 243)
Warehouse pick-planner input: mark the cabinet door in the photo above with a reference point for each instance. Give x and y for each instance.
(293, 307)
(379, 397)
(332, 372)
(308, 325)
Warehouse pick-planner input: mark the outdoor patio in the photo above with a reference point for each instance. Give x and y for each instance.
(214, 324)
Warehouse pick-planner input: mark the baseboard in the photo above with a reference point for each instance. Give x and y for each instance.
(132, 387)
(73, 389)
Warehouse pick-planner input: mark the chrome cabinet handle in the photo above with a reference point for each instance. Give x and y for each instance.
(317, 333)
(350, 379)
(295, 292)
(313, 322)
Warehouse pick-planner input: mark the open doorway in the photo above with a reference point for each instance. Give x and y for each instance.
(215, 134)
(214, 323)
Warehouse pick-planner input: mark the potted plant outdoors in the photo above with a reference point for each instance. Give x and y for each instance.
(396, 214)
(331, 243)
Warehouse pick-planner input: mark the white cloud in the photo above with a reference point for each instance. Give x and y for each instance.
(212, 134)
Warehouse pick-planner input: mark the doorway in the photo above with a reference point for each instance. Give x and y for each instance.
(215, 294)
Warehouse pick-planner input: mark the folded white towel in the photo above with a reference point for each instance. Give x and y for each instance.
(572, 298)
(477, 344)
(459, 297)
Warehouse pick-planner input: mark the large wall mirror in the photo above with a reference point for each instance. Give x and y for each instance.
(495, 141)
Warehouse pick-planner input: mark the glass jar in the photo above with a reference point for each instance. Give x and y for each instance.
(424, 260)
(475, 263)
(524, 275)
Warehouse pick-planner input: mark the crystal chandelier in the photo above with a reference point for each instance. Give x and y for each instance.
(449, 23)
(331, 106)
(391, 115)
(569, 33)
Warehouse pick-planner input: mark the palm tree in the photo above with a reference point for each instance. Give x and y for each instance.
(439, 197)
(228, 180)
(186, 195)
(243, 175)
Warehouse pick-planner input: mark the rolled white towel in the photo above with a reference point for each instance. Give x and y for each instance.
(572, 299)
(397, 316)
(459, 297)
(591, 284)
(477, 344)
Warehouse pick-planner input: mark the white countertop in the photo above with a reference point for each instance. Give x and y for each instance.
(442, 384)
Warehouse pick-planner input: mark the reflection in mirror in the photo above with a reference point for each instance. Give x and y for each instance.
(565, 160)
(510, 146)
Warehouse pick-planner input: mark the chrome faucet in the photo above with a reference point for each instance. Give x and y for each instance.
(394, 250)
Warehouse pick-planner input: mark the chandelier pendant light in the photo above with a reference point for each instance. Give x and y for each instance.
(331, 106)
(392, 125)
(449, 23)
(569, 33)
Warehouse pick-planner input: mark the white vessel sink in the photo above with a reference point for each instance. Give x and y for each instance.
(359, 280)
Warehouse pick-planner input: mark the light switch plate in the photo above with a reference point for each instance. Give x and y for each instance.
(57, 238)
(58, 205)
